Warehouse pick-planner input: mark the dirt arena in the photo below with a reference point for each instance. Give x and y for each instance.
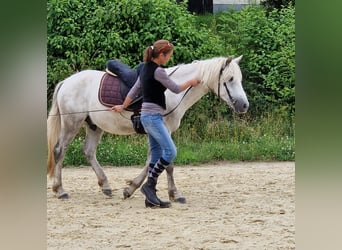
(229, 206)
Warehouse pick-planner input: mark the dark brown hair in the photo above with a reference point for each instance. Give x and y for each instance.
(160, 46)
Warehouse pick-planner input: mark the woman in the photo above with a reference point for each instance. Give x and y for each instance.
(152, 82)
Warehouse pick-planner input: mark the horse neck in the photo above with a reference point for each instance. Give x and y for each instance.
(208, 72)
(208, 82)
(183, 103)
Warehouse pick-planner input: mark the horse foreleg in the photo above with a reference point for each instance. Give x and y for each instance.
(174, 194)
(134, 184)
(93, 138)
(137, 181)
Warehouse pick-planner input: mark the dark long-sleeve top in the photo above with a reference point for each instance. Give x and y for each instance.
(161, 76)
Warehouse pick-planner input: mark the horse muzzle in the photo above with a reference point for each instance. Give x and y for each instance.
(240, 106)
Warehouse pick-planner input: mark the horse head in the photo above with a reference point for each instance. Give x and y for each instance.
(229, 85)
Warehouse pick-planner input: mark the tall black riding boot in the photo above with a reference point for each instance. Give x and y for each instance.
(149, 190)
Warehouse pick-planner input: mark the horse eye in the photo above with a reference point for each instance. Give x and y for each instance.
(231, 79)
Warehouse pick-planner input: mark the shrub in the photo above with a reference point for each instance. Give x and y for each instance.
(85, 34)
(267, 41)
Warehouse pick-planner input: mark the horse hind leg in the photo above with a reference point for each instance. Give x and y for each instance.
(174, 194)
(93, 137)
(57, 186)
(66, 136)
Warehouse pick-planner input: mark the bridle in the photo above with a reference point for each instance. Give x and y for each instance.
(225, 86)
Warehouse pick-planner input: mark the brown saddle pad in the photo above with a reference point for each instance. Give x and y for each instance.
(110, 91)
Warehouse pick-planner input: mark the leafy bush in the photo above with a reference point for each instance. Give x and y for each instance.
(86, 33)
(267, 41)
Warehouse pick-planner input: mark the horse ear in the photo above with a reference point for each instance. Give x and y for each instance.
(229, 59)
(238, 59)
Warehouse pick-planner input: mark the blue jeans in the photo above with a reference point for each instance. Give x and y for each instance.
(161, 143)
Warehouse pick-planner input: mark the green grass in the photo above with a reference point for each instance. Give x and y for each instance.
(266, 138)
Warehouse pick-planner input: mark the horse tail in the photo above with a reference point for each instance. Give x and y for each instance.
(53, 129)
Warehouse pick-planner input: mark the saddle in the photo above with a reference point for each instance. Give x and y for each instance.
(114, 87)
(116, 83)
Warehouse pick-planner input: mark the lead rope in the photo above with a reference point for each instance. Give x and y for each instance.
(80, 112)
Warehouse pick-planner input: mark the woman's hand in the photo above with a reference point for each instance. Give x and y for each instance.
(194, 82)
(117, 108)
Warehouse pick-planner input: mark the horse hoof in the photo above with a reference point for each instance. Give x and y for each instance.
(126, 194)
(63, 196)
(107, 192)
(181, 200)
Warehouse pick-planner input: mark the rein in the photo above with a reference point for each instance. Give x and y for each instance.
(172, 110)
(187, 91)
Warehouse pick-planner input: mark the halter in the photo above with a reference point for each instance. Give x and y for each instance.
(225, 86)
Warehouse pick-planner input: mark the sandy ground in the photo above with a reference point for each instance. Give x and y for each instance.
(229, 206)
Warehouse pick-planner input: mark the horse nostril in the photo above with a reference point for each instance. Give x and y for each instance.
(245, 106)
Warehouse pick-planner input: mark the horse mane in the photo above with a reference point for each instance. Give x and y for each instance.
(208, 70)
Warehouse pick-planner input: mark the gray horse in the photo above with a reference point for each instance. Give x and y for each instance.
(78, 95)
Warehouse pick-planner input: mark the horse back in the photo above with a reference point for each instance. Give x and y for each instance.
(79, 91)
